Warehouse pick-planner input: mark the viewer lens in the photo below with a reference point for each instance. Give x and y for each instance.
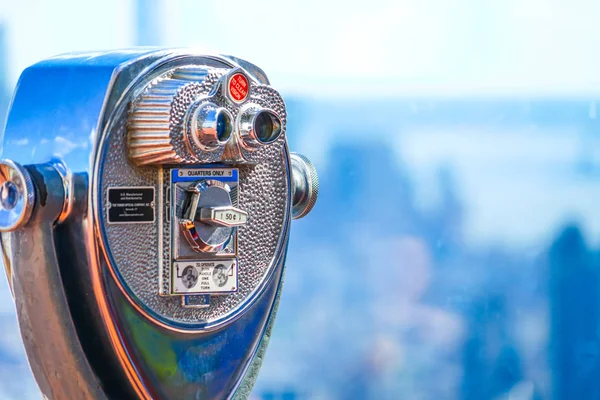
(224, 126)
(267, 126)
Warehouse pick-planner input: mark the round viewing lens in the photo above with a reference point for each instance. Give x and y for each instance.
(267, 126)
(224, 126)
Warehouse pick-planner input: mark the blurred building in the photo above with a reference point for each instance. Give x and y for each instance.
(4, 91)
(574, 301)
(148, 23)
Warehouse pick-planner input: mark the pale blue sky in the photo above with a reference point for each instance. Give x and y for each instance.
(315, 46)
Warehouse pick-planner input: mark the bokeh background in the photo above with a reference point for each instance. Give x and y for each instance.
(454, 252)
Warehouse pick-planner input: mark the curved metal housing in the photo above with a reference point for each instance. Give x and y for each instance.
(71, 307)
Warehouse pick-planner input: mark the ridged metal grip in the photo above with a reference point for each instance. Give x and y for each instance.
(305, 183)
(150, 139)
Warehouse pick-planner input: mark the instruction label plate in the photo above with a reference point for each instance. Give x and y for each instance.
(127, 205)
(205, 277)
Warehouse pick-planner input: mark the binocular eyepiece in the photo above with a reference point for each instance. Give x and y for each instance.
(145, 222)
(210, 126)
(259, 127)
(229, 117)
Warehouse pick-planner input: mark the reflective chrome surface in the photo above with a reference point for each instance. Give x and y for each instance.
(16, 196)
(223, 216)
(48, 331)
(211, 126)
(77, 316)
(201, 234)
(145, 270)
(258, 126)
(305, 185)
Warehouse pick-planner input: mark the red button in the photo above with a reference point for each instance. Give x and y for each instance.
(238, 87)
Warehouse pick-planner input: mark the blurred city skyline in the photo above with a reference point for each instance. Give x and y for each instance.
(553, 119)
(333, 49)
(4, 85)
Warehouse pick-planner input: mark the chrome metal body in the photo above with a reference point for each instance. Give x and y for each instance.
(98, 309)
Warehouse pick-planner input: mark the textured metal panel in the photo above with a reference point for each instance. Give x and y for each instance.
(181, 103)
(266, 97)
(156, 124)
(263, 193)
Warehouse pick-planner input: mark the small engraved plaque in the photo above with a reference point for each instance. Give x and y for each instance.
(128, 205)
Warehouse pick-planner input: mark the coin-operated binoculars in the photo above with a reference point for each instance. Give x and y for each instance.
(145, 207)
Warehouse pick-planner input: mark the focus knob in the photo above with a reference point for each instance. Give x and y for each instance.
(305, 185)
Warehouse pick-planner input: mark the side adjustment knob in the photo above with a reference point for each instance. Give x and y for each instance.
(305, 185)
(209, 219)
